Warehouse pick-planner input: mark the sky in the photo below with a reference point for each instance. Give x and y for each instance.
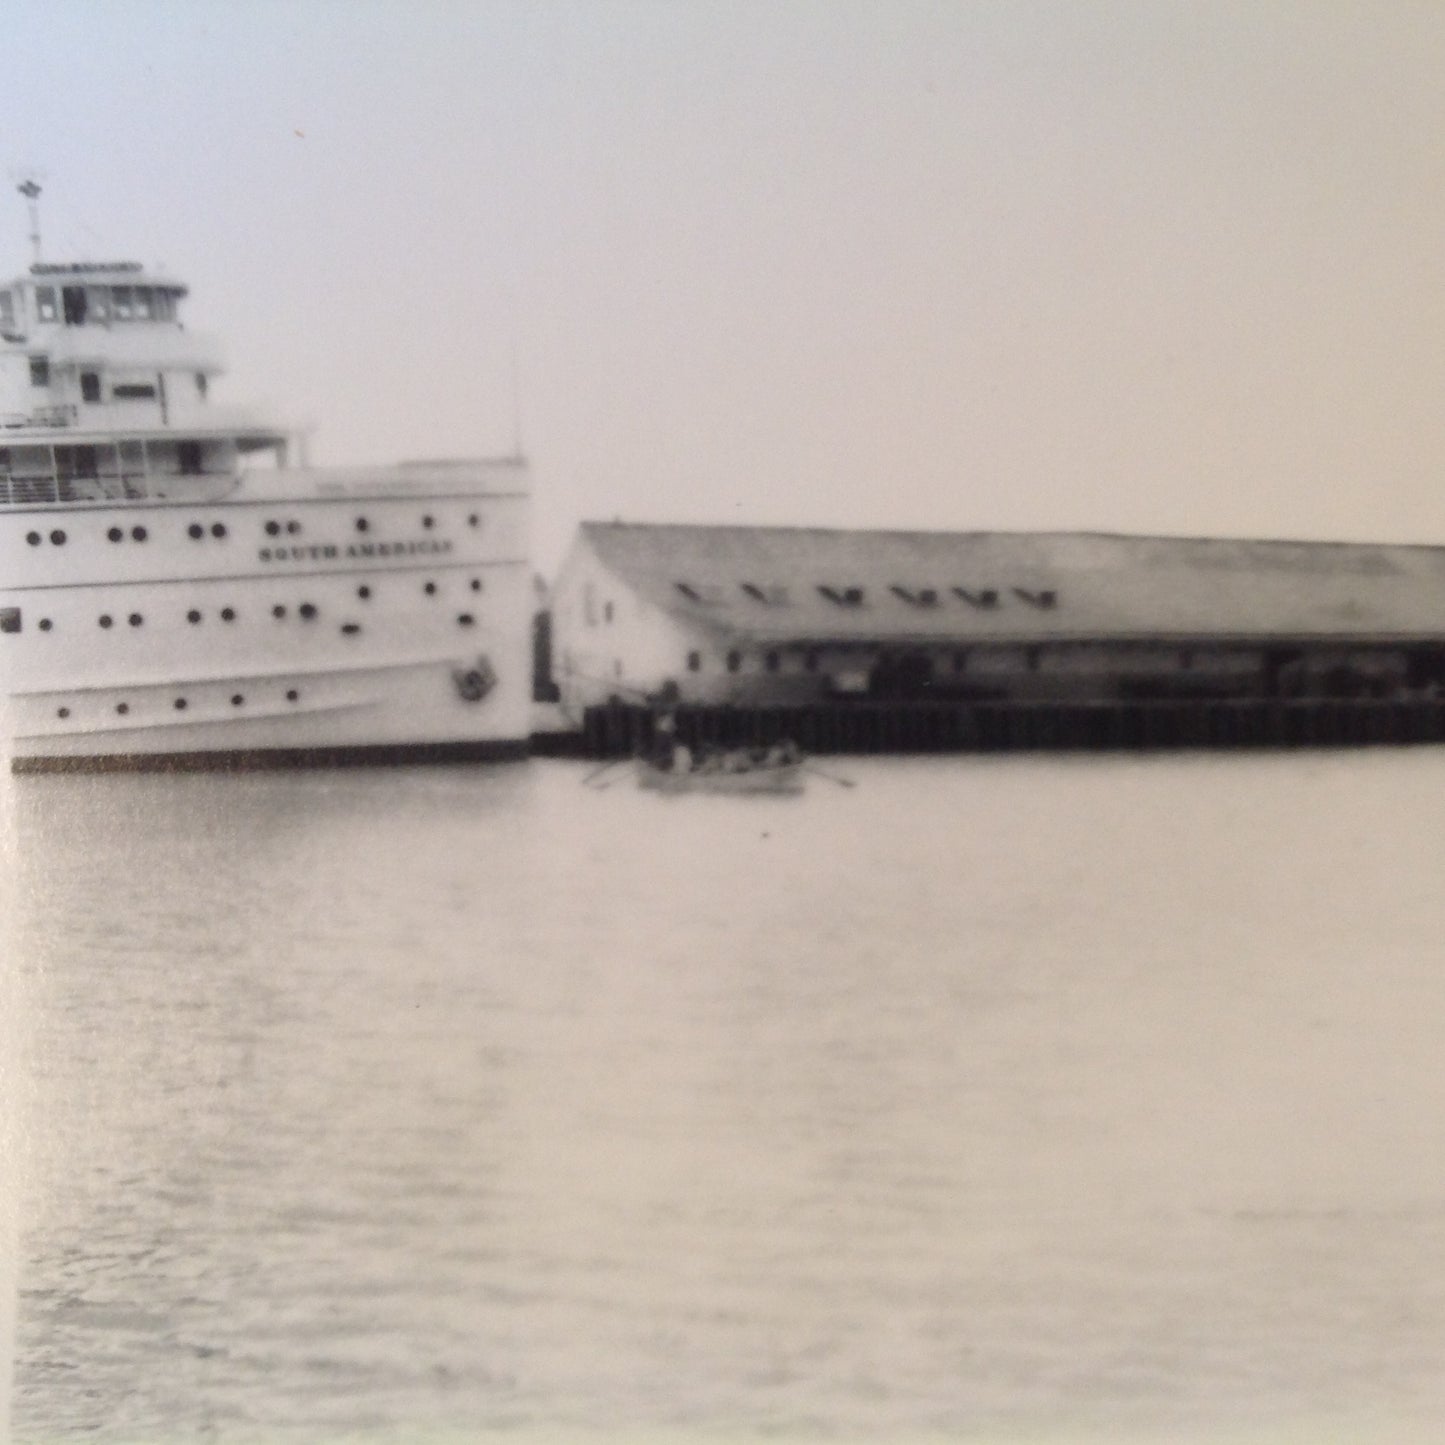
(1158, 267)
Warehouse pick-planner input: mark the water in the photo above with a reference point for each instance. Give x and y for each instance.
(992, 1099)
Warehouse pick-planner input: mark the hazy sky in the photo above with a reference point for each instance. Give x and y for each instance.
(1146, 266)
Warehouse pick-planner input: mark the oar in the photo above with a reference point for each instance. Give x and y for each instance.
(606, 767)
(831, 777)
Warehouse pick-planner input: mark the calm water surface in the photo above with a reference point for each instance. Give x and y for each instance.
(991, 1099)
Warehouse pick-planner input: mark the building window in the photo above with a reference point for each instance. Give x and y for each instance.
(39, 371)
(90, 386)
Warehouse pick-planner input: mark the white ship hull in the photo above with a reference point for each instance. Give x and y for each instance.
(309, 617)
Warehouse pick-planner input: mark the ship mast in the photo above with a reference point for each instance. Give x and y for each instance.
(30, 189)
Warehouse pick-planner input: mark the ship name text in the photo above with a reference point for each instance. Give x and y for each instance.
(331, 552)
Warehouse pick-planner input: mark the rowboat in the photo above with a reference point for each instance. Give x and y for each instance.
(776, 778)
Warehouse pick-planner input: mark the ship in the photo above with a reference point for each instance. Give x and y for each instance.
(178, 589)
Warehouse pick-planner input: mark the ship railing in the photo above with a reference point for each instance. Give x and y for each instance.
(42, 416)
(18, 490)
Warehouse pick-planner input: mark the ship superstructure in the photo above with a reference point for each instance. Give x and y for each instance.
(173, 592)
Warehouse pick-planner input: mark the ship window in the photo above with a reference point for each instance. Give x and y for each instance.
(607, 612)
(135, 619)
(428, 523)
(193, 616)
(196, 530)
(362, 524)
(73, 300)
(292, 694)
(201, 385)
(810, 659)
(474, 520)
(58, 537)
(476, 584)
(115, 534)
(843, 596)
(465, 619)
(278, 611)
(694, 662)
(228, 614)
(122, 708)
(124, 306)
(430, 589)
(1045, 599)
(307, 610)
(62, 712)
(292, 528)
(143, 303)
(90, 386)
(133, 391)
(188, 458)
(46, 624)
(988, 597)
(45, 303)
(773, 661)
(165, 305)
(363, 592)
(180, 704)
(106, 619)
(139, 533)
(9, 619)
(273, 529)
(218, 529)
(33, 538)
(735, 661)
(100, 303)
(39, 371)
(237, 699)
(7, 309)
(350, 627)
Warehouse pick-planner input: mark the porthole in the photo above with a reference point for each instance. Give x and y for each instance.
(363, 593)
(428, 522)
(350, 627)
(62, 712)
(122, 708)
(430, 589)
(465, 619)
(58, 538)
(180, 704)
(115, 534)
(228, 614)
(278, 611)
(196, 530)
(292, 695)
(33, 538)
(135, 619)
(106, 619)
(45, 624)
(307, 611)
(273, 529)
(292, 528)
(218, 529)
(474, 520)
(362, 524)
(139, 534)
(476, 584)
(237, 699)
(193, 616)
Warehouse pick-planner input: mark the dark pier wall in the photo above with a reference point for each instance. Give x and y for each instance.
(618, 730)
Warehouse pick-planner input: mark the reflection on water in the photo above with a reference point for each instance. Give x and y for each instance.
(994, 1098)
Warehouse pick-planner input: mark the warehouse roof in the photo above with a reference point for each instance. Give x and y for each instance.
(812, 583)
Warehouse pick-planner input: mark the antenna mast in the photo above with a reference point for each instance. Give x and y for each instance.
(30, 189)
